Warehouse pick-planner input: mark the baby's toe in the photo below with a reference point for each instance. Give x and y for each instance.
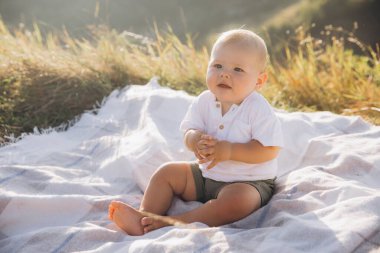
(116, 204)
(146, 221)
(111, 210)
(149, 228)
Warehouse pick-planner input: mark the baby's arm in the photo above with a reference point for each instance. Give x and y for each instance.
(252, 152)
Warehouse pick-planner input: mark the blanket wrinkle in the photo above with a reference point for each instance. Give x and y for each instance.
(56, 184)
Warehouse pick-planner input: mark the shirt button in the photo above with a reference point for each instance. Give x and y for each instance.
(217, 105)
(221, 127)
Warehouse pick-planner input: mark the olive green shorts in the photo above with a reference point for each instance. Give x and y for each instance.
(207, 188)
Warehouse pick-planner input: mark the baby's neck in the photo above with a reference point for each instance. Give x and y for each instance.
(225, 108)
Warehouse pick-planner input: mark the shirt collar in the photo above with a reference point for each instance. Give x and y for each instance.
(236, 105)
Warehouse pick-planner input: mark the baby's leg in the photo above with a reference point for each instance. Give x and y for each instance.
(169, 180)
(234, 202)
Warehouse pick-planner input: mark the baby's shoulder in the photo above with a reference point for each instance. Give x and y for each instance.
(257, 105)
(205, 97)
(258, 100)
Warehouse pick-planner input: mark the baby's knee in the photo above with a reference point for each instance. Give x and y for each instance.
(165, 169)
(165, 172)
(241, 198)
(235, 210)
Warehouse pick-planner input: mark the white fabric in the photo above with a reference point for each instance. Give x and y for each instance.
(254, 118)
(55, 187)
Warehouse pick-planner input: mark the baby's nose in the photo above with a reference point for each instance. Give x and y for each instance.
(224, 74)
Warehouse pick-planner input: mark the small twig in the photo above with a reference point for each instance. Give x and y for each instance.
(376, 109)
(10, 126)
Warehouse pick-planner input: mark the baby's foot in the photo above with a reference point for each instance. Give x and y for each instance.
(150, 224)
(153, 222)
(126, 217)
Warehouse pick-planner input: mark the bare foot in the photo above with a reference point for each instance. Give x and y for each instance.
(126, 217)
(152, 221)
(135, 222)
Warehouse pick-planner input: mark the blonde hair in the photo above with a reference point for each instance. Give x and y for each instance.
(246, 39)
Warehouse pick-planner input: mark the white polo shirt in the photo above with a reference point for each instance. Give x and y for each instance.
(254, 119)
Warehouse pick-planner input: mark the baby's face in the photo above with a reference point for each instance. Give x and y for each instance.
(232, 73)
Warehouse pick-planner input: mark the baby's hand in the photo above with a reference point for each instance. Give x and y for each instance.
(206, 145)
(221, 151)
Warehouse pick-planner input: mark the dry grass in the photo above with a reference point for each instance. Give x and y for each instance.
(48, 80)
(324, 75)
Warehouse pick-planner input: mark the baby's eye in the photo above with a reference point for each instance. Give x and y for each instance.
(238, 69)
(218, 66)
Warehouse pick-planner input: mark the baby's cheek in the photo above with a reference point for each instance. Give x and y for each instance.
(211, 74)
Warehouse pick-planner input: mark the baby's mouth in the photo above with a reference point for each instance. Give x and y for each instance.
(224, 86)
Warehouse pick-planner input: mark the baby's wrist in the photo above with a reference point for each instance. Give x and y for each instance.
(227, 149)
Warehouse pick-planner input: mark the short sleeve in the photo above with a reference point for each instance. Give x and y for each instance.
(266, 127)
(193, 118)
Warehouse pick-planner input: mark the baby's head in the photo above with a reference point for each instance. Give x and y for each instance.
(246, 40)
(237, 65)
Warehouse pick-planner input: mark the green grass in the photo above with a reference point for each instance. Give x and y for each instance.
(47, 81)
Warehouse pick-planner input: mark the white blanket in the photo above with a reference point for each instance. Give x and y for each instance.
(55, 186)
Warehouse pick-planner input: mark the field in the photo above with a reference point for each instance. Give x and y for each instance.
(46, 80)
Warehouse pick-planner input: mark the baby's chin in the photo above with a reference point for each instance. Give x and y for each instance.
(231, 98)
(228, 99)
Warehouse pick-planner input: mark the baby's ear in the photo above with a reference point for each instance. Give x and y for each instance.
(261, 79)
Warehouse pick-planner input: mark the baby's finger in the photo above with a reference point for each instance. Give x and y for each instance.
(206, 137)
(206, 159)
(203, 154)
(207, 142)
(202, 143)
(211, 142)
(197, 155)
(207, 151)
(212, 164)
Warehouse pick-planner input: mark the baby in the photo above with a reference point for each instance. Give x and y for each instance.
(235, 136)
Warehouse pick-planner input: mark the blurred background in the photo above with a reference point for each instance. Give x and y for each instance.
(197, 17)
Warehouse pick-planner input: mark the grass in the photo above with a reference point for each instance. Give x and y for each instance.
(48, 80)
(324, 75)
